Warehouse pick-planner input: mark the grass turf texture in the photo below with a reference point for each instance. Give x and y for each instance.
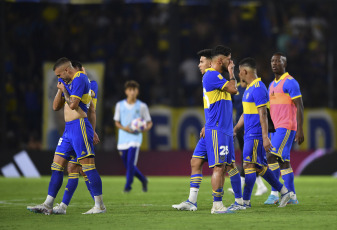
(152, 210)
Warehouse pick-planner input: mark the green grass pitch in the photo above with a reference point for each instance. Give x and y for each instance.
(152, 210)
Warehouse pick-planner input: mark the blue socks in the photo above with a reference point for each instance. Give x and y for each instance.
(56, 179)
(70, 188)
(269, 176)
(250, 178)
(217, 194)
(94, 178)
(235, 178)
(275, 168)
(87, 182)
(288, 177)
(195, 180)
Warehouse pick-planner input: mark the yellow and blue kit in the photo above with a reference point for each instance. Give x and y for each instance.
(77, 139)
(255, 96)
(218, 110)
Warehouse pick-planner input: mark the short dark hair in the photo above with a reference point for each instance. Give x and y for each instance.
(207, 53)
(221, 50)
(60, 62)
(249, 62)
(76, 64)
(280, 54)
(131, 84)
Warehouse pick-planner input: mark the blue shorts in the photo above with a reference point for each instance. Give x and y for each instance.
(254, 152)
(220, 148)
(200, 150)
(282, 141)
(77, 141)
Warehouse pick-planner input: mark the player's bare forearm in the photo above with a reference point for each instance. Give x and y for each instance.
(71, 101)
(263, 120)
(92, 115)
(299, 116)
(264, 125)
(125, 128)
(58, 101)
(239, 125)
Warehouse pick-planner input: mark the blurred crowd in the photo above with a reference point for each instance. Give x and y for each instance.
(134, 42)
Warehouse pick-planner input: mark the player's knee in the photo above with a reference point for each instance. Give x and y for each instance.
(262, 171)
(196, 164)
(73, 168)
(284, 165)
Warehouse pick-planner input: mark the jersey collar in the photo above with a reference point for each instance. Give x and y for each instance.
(282, 77)
(209, 69)
(253, 82)
(77, 74)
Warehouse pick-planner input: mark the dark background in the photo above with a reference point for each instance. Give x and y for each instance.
(156, 45)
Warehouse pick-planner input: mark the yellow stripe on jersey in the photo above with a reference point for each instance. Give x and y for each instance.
(249, 108)
(86, 98)
(215, 96)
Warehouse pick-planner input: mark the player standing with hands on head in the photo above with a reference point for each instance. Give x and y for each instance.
(219, 141)
(256, 142)
(286, 110)
(129, 141)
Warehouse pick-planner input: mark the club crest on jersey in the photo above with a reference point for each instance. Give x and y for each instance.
(247, 96)
(220, 76)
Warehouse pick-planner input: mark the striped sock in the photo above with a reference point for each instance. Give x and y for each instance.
(275, 168)
(250, 178)
(236, 182)
(288, 177)
(70, 188)
(87, 182)
(56, 179)
(194, 187)
(269, 176)
(94, 178)
(217, 194)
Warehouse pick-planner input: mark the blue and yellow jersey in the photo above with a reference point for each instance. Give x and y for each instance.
(217, 102)
(255, 96)
(94, 91)
(80, 88)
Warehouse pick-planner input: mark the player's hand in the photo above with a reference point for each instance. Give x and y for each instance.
(299, 137)
(235, 132)
(231, 66)
(202, 132)
(128, 129)
(61, 86)
(96, 139)
(267, 144)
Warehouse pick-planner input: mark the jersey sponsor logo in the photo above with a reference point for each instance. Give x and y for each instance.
(220, 76)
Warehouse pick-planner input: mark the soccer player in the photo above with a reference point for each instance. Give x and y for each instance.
(74, 167)
(129, 141)
(256, 142)
(199, 156)
(77, 139)
(237, 104)
(286, 110)
(219, 126)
